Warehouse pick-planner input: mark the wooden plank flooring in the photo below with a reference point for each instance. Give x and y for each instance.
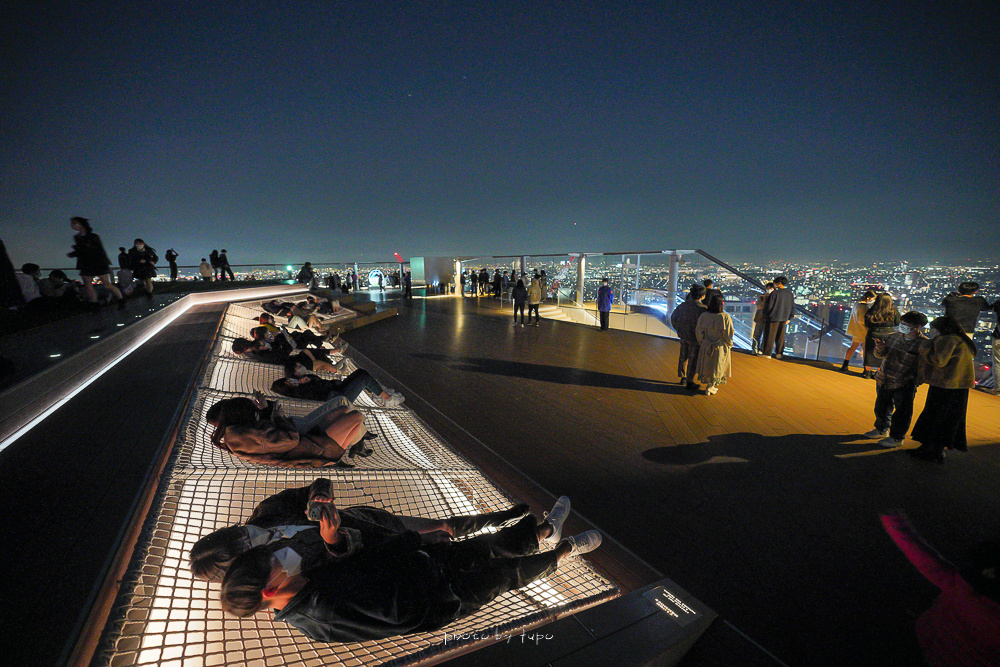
(69, 486)
(762, 501)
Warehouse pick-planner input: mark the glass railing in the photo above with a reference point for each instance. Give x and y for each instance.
(641, 282)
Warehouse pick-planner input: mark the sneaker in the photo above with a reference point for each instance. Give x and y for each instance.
(765, 356)
(522, 325)
(556, 518)
(392, 402)
(584, 542)
(778, 356)
(876, 434)
(889, 442)
(711, 390)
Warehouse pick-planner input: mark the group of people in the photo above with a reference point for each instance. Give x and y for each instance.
(706, 335)
(215, 267)
(361, 573)
(356, 573)
(899, 356)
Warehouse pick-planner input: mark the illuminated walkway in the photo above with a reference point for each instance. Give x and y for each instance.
(762, 500)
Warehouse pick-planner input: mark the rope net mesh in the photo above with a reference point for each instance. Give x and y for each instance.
(164, 616)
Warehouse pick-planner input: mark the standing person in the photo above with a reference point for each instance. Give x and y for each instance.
(714, 332)
(996, 350)
(881, 319)
(381, 288)
(710, 291)
(92, 262)
(122, 258)
(757, 331)
(461, 281)
(962, 627)
(778, 309)
(213, 257)
(171, 256)
(205, 269)
(496, 284)
(543, 282)
(519, 296)
(856, 327)
(407, 285)
(946, 365)
(354, 279)
(684, 321)
(604, 298)
(224, 267)
(534, 298)
(143, 260)
(896, 379)
(965, 306)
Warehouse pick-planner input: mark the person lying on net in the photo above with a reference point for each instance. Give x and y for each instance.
(289, 341)
(298, 383)
(298, 317)
(410, 583)
(302, 338)
(256, 431)
(293, 510)
(313, 360)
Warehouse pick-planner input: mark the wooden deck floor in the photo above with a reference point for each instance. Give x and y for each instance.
(762, 501)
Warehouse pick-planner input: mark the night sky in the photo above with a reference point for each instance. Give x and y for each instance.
(326, 131)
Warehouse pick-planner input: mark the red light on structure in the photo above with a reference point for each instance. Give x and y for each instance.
(398, 258)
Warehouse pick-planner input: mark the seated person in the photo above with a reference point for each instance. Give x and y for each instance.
(57, 286)
(256, 431)
(297, 383)
(126, 283)
(317, 360)
(409, 583)
(28, 281)
(283, 514)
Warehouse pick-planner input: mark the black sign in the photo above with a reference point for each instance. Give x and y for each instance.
(671, 605)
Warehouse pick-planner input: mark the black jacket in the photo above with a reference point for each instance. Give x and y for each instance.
(393, 590)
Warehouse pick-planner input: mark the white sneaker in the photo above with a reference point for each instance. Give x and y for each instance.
(585, 542)
(556, 518)
(889, 442)
(765, 356)
(876, 434)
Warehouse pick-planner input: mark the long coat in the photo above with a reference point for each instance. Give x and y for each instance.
(715, 338)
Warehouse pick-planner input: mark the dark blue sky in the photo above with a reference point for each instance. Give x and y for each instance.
(287, 131)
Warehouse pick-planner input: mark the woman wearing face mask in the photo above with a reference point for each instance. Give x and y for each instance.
(881, 319)
(92, 262)
(946, 365)
(142, 260)
(856, 328)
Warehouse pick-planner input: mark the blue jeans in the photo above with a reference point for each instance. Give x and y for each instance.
(894, 410)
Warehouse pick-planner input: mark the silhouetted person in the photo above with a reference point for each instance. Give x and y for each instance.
(778, 309)
(604, 298)
(213, 257)
(965, 306)
(224, 267)
(92, 261)
(710, 291)
(142, 260)
(171, 257)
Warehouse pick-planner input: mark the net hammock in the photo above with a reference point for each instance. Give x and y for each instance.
(164, 616)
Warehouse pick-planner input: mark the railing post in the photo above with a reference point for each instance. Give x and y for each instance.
(672, 282)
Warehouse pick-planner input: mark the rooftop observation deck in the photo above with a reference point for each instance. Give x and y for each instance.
(762, 501)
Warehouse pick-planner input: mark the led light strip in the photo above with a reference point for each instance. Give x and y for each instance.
(182, 305)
